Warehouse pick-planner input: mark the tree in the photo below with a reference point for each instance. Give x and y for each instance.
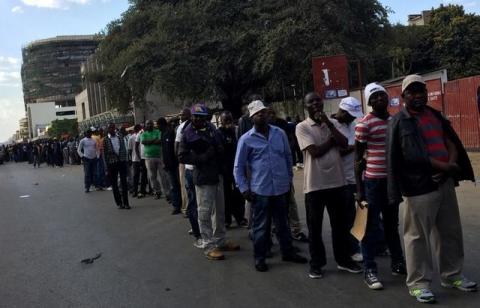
(225, 50)
(58, 128)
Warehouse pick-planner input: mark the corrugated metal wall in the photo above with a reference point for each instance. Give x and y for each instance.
(461, 106)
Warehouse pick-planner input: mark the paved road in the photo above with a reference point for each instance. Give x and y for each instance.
(148, 259)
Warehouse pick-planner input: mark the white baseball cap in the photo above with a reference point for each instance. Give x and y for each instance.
(373, 88)
(411, 79)
(352, 106)
(255, 107)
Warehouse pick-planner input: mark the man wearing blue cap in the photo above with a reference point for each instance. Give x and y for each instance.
(201, 146)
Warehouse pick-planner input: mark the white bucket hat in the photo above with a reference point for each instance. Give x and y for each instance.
(255, 107)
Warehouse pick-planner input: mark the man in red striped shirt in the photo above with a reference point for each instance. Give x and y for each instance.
(371, 178)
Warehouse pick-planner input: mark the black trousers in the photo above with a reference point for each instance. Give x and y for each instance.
(234, 202)
(334, 200)
(115, 170)
(139, 175)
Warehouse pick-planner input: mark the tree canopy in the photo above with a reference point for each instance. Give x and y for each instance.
(225, 50)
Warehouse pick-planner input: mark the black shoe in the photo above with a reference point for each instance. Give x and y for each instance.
(176, 212)
(127, 207)
(243, 224)
(120, 206)
(261, 266)
(301, 237)
(295, 258)
(87, 191)
(157, 196)
(372, 280)
(134, 195)
(351, 267)
(315, 273)
(399, 269)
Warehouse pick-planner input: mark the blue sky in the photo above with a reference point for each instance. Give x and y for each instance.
(22, 21)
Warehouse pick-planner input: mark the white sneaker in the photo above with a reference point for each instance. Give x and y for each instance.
(358, 257)
(199, 243)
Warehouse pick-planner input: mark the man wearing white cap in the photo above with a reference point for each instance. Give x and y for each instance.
(426, 159)
(349, 109)
(264, 150)
(371, 179)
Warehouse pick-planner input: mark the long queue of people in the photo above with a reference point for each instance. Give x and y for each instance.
(53, 152)
(244, 173)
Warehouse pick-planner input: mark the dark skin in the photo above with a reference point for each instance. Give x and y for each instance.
(260, 122)
(226, 119)
(314, 105)
(149, 128)
(344, 117)
(416, 98)
(379, 103)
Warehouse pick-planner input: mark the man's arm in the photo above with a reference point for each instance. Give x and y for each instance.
(80, 149)
(240, 171)
(451, 166)
(288, 156)
(338, 137)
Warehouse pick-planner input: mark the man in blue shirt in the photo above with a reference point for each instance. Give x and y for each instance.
(265, 152)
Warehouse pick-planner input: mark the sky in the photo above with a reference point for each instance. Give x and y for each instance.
(23, 21)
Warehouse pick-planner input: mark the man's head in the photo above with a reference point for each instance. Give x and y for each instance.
(185, 115)
(88, 133)
(162, 124)
(258, 113)
(226, 119)
(112, 128)
(377, 97)
(414, 92)
(199, 115)
(123, 131)
(272, 115)
(348, 110)
(137, 128)
(149, 125)
(314, 104)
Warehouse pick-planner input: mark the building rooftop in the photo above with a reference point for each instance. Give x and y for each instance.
(63, 38)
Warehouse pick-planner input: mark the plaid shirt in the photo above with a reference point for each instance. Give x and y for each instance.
(110, 156)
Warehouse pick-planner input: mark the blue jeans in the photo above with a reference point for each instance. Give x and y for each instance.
(264, 208)
(376, 195)
(89, 167)
(175, 193)
(192, 212)
(100, 175)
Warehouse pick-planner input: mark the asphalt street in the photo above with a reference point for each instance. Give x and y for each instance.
(48, 225)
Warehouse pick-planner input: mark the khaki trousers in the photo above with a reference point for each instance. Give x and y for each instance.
(181, 172)
(211, 214)
(432, 226)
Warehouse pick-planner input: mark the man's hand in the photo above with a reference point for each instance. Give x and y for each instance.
(249, 196)
(360, 199)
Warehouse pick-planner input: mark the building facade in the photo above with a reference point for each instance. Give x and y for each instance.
(51, 68)
(41, 115)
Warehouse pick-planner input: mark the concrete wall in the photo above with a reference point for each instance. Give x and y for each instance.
(83, 113)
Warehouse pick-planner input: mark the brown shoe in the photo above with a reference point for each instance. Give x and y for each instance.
(229, 246)
(215, 254)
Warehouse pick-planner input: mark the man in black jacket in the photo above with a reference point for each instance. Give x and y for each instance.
(170, 163)
(201, 146)
(426, 160)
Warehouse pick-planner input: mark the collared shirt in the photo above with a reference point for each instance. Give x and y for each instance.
(87, 148)
(348, 130)
(323, 172)
(115, 143)
(269, 162)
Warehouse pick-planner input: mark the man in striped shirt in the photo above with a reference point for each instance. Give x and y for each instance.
(371, 178)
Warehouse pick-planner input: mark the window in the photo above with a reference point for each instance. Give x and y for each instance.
(65, 113)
